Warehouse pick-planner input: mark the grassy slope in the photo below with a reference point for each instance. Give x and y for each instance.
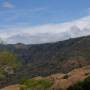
(60, 79)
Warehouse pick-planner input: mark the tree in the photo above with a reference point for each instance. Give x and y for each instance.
(9, 62)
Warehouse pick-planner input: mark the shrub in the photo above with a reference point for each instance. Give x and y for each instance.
(81, 85)
(2, 73)
(65, 76)
(8, 63)
(8, 59)
(36, 84)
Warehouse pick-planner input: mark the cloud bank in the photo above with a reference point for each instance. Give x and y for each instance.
(48, 32)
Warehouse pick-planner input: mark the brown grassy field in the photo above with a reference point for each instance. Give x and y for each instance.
(12, 87)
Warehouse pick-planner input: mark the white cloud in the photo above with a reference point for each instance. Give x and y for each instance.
(48, 32)
(7, 4)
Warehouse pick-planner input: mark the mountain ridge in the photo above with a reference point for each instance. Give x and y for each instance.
(47, 59)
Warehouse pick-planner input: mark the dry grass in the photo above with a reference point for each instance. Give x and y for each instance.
(12, 87)
(73, 77)
(59, 79)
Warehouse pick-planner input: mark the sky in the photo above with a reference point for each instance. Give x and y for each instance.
(39, 19)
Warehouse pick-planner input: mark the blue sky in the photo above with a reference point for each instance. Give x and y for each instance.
(18, 17)
(37, 12)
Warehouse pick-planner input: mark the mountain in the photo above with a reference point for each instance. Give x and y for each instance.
(47, 59)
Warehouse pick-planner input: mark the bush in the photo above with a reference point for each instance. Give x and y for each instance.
(9, 63)
(36, 84)
(81, 85)
(2, 74)
(65, 76)
(8, 59)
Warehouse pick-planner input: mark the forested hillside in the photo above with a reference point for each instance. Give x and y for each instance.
(43, 59)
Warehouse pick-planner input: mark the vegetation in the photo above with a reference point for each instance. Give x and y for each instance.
(8, 63)
(2, 74)
(66, 76)
(81, 85)
(8, 59)
(42, 59)
(36, 84)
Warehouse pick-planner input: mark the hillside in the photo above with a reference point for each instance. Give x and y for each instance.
(61, 81)
(47, 59)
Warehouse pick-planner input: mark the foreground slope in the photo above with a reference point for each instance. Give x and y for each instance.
(61, 81)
